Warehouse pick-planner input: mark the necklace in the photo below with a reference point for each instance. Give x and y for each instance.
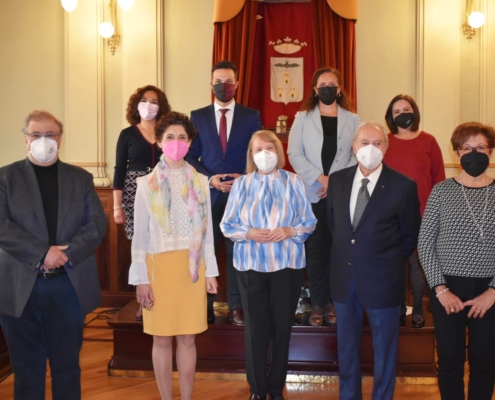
(481, 238)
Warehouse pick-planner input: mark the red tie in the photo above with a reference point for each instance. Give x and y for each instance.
(223, 129)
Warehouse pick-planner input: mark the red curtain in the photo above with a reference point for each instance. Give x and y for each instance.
(234, 41)
(334, 43)
(334, 40)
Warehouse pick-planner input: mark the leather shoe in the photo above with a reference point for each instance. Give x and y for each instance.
(316, 318)
(329, 314)
(211, 316)
(418, 321)
(276, 397)
(256, 397)
(236, 317)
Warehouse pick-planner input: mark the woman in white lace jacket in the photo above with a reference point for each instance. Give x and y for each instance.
(173, 259)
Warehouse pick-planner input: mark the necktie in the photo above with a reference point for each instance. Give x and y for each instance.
(223, 129)
(362, 199)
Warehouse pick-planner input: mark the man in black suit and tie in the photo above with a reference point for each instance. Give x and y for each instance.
(51, 223)
(374, 219)
(219, 152)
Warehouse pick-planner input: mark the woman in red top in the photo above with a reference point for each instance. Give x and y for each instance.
(417, 155)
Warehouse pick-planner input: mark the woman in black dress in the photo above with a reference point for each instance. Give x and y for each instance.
(137, 152)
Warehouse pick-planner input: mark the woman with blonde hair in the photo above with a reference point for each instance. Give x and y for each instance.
(268, 216)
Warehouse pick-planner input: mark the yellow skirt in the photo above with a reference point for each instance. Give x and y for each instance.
(180, 305)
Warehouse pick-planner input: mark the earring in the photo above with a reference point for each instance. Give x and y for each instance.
(315, 95)
(339, 95)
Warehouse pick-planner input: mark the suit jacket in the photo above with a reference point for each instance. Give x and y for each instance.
(81, 225)
(373, 254)
(306, 142)
(205, 153)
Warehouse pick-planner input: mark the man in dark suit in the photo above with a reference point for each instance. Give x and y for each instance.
(51, 222)
(373, 217)
(219, 152)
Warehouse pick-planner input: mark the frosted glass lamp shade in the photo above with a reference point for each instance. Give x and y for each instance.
(476, 19)
(106, 30)
(126, 5)
(69, 5)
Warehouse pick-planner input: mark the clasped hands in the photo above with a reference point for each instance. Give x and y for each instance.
(55, 258)
(479, 305)
(269, 235)
(222, 185)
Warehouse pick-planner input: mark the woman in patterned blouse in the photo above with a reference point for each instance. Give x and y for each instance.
(457, 251)
(268, 216)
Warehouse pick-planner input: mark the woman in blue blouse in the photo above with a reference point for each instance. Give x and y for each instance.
(268, 216)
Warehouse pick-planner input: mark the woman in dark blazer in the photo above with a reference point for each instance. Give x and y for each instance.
(320, 144)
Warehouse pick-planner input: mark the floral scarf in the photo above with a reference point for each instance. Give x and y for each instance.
(195, 195)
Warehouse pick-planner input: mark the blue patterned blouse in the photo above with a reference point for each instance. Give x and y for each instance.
(268, 202)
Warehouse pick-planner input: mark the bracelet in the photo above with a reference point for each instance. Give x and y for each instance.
(442, 292)
(295, 232)
(117, 207)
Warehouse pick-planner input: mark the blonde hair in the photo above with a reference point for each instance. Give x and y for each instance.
(265, 136)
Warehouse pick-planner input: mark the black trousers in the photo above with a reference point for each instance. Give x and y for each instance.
(318, 257)
(450, 332)
(50, 327)
(217, 211)
(269, 300)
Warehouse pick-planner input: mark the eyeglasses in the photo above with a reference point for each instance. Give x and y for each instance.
(37, 135)
(481, 148)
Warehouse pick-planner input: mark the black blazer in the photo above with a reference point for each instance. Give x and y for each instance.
(387, 234)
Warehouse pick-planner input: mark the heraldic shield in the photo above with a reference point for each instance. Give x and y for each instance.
(286, 79)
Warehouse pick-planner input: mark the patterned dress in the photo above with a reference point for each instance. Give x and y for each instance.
(135, 157)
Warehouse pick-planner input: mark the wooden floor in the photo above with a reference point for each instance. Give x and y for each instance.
(96, 385)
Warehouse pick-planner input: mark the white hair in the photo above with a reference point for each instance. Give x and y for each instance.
(371, 124)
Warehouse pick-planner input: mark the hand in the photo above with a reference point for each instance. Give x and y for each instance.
(322, 192)
(119, 216)
(55, 258)
(223, 186)
(144, 296)
(449, 301)
(481, 304)
(258, 235)
(280, 233)
(211, 285)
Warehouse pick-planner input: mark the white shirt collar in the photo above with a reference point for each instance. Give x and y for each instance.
(373, 177)
(218, 107)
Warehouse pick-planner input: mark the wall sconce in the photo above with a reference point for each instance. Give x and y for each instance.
(107, 30)
(474, 20)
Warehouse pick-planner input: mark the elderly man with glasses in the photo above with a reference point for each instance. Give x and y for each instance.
(51, 222)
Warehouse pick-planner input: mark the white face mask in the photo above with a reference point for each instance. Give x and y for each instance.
(43, 149)
(369, 156)
(266, 161)
(147, 111)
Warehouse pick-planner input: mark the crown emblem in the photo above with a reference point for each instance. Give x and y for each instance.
(287, 46)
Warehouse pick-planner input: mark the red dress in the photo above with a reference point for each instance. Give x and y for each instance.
(420, 159)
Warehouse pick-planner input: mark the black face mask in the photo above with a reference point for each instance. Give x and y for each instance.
(404, 120)
(475, 163)
(224, 91)
(327, 94)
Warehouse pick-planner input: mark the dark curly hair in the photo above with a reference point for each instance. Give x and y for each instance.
(389, 117)
(312, 100)
(132, 114)
(175, 118)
